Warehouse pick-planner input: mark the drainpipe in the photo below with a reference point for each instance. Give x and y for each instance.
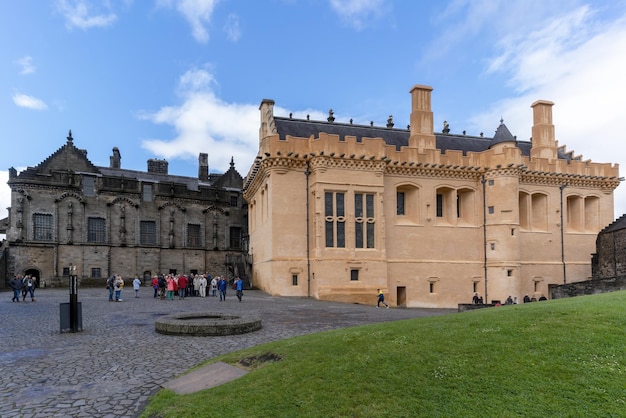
(561, 187)
(483, 181)
(308, 251)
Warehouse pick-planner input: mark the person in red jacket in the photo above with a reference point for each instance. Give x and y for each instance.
(182, 286)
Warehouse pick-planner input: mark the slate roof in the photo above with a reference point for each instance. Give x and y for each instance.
(400, 137)
(618, 224)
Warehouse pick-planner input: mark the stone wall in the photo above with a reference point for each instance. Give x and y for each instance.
(587, 287)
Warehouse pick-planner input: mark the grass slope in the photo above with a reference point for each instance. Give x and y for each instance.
(562, 358)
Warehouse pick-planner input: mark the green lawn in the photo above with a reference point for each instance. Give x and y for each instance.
(562, 358)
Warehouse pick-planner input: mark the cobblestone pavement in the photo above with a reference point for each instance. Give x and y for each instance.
(118, 361)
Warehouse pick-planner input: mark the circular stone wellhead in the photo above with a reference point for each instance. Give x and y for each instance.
(204, 324)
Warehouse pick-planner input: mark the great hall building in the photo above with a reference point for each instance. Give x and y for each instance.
(68, 216)
(338, 210)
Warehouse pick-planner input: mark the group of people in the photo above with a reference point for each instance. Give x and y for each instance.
(170, 286)
(23, 286)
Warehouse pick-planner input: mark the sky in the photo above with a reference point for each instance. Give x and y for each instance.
(170, 79)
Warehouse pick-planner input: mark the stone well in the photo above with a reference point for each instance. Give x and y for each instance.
(206, 324)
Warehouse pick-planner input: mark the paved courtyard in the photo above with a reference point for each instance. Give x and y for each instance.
(118, 361)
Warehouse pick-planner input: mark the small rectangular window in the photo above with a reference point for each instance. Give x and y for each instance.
(95, 273)
(294, 279)
(491, 210)
(234, 201)
(354, 275)
(509, 273)
(491, 182)
(431, 287)
(66, 272)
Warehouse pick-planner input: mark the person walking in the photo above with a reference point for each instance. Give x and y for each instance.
(111, 286)
(155, 286)
(28, 286)
(171, 284)
(222, 285)
(213, 286)
(239, 288)
(136, 286)
(119, 286)
(182, 286)
(16, 284)
(202, 286)
(381, 299)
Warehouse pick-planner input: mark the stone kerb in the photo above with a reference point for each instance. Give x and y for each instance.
(206, 324)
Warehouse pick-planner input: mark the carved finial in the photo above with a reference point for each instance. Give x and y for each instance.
(331, 118)
(390, 122)
(481, 134)
(290, 115)
(232, 162)
(372, 123)
(307, 117)
(446, 127)
(464, 132)
(69, 137)
(350, 121)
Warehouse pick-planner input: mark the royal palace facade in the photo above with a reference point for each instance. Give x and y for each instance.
(68, 216)
(338, 210)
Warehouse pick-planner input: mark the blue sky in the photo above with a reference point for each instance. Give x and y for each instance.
(170, 79)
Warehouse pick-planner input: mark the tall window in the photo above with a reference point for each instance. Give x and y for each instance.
(364, 220)
(89, 185)
(147, 233)
(234, 200)
(193, 235)
(42, 227)
(399, 203)
(335, 217)
(439, 205)
(235, 237)
(147, 192)
(96, 231)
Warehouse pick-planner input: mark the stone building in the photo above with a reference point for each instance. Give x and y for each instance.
(609, 260)
(67, 212)
(338, 210)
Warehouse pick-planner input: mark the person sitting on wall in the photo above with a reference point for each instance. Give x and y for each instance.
(509, 301)
(526, 299)
(542, 298)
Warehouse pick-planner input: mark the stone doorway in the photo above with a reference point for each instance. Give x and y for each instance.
(35, 274)
(401, 296)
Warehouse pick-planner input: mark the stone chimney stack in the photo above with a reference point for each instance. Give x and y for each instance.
(422, 128)
(203, 166)
(115, 160)
(157, 166)
(544, 144)
(267, 119)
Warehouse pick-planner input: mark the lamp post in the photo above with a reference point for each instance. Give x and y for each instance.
(73, 300)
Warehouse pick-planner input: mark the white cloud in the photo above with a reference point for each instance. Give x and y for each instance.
(197, 12)
(232, 29)
(204, 123)
(574, 62)
(27, 65)
(80, 14)
(357, 12)
(29, 102)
